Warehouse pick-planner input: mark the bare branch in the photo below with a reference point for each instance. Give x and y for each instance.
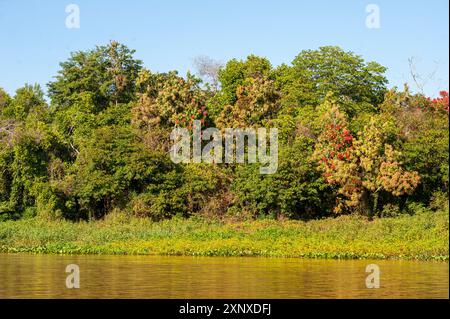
(208, 69)
(419, 80)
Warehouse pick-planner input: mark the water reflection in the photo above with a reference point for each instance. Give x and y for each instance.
(44, 276)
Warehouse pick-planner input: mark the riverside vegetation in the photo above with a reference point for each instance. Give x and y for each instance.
(362, 169)
(423, 236)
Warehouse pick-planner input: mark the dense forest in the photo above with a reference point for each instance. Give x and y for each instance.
(99, 144)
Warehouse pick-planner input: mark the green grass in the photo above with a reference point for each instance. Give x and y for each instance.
(422, 236)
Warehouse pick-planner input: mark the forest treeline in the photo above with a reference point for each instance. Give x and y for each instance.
(347, 143)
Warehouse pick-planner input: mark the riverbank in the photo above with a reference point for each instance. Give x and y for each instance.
(423, 236)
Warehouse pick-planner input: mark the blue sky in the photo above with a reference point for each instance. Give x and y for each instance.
(168, 34)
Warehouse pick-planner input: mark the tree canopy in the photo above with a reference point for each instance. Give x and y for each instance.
(348, 144)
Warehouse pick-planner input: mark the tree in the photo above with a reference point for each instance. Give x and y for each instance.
(167, 100)
(93, 89)
(440, 103)
(346, 144)
(27, 146)
(111, 167)
(258, 101)
(7, 124)
(422, 134)
(208, 69)
(363, 168)
(5, 99)
(233, 75)
(106, 75)
(314, 73)
(295, 191)
(26, 99)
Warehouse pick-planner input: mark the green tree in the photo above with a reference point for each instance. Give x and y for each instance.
(5, 99)
(111, 167)
(233, 75)
(26, 99)
(296, 190)
(314, 73)
(106, 75)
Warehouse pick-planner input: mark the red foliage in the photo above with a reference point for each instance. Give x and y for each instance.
(187, 119)
(440, 103)
(339, 141)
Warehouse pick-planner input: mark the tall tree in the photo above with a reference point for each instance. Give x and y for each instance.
(314, 73)
(106, 74)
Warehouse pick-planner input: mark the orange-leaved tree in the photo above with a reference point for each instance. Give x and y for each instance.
(362, 168)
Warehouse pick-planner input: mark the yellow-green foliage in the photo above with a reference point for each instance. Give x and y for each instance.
(422, 236)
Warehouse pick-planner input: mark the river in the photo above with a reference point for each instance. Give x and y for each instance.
(44, 276)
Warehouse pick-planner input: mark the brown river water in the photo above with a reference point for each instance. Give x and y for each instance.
(44, 276)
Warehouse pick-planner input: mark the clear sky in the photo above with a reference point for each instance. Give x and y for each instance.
(169, 34)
